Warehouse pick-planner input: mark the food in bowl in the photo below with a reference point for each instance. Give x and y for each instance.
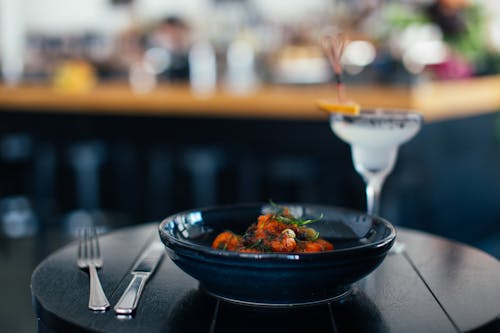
(278, 231)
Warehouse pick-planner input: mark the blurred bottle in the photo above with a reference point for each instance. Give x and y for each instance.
(241, 77)
(75, 76)
(142, 77)
(12, 40)
(202, 68)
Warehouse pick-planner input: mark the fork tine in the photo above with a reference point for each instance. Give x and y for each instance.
(86, 247)
(82, 249)
(96, 249)
(91, 244)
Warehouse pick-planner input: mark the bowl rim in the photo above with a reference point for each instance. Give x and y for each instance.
(285, 256)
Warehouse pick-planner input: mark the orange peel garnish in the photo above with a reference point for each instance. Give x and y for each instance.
(329, 106)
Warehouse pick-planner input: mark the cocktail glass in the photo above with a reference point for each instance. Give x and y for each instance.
(375, 136)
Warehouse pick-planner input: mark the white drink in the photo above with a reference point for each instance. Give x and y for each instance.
(375, 136)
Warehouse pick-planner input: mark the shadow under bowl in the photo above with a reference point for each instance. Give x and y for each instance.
(360, 241)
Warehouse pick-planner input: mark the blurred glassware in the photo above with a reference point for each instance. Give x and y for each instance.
(12, 41)
(17, 217)
(241, 77)
(142, 77)
(202, 69)
(300, 64)
(357, 55)
(375, 137)
(158, 58)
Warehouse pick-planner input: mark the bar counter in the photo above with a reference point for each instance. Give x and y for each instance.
(435, 100)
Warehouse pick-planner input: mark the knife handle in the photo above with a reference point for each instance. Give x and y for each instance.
(128, 302)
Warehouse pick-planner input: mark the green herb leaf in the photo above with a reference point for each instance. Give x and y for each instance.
(290, 219)
(296, 221)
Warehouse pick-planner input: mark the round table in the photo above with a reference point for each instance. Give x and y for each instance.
(434, 285)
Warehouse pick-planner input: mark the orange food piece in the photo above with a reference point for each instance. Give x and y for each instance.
(227, 241)
(271, 234)
(262, 220)
(335, 107)
(311, 247)
(318, 245)
(326, 245)
(283, 244)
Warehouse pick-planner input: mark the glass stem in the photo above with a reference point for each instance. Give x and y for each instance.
(373, 189)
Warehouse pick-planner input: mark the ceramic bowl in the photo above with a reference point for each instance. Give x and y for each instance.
(360, 241)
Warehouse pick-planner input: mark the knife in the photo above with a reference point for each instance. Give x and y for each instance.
(141, 272)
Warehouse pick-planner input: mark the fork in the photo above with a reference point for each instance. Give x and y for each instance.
(89, 256)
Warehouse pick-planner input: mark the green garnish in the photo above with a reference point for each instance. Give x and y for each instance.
(258, 245)
(254, 245)
(289, 219)
(296, 221)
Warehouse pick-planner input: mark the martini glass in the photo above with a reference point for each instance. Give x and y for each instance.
(375, 136)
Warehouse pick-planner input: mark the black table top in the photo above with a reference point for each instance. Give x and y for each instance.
(434, 285)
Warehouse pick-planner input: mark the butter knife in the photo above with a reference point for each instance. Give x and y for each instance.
(141, 272)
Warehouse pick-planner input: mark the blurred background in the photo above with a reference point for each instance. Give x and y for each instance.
(120, 112)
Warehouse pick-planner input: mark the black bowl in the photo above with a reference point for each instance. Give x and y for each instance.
(361, 243)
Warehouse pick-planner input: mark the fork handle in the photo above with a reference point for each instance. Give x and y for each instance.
(97, 298)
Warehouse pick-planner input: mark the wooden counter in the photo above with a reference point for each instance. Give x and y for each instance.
(436, 100)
